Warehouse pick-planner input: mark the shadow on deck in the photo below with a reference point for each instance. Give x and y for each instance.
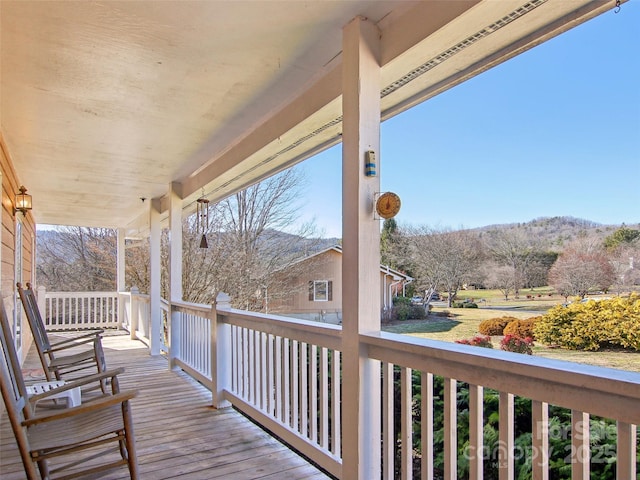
(178, 433)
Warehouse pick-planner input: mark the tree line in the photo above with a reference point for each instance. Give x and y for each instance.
(510, 260)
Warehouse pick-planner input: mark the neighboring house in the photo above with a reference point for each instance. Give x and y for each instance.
(316, 288)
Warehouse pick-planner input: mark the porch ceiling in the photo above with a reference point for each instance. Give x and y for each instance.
(106, 102)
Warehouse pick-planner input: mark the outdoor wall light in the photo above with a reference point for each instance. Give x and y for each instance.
(202, 220)
(23, 201)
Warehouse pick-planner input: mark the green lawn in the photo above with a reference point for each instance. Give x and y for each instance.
(451, 324)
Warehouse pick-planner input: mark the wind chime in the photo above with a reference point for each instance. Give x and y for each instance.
(202, 220)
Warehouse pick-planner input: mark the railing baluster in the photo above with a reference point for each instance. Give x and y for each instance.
(426, 428)
(251, 397)
(208, 347)
(263, 372)
(286, 382)
(506, 433)
(295, 386)
(245, 363)
(304, 390)
(313, 393)
(336, 417)
(580, 448)
(194, 329)
(450, 429)
(476, 426)
(278, 365)
(626, 451)
(182, 330)
(406, 424)
(324, 398)
(271, 375)
(388, 437)
(540, 440)
(236, 360)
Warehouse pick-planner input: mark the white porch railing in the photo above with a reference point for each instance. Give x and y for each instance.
(281, 374)
(78, 310)
(286, 375)
(583, 389)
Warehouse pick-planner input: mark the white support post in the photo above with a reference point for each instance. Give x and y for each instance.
(120, 271)
(220, 352)
(361, 250)
(134, 313)
(175, 247)
(175, 270)
(155, 310)
(120, 252)
(175, 337)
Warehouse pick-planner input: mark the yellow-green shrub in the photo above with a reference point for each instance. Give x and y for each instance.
(494, 326)
(592, 325)
(521, 328)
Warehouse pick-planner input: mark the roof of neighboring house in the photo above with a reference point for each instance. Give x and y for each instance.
(396, 274)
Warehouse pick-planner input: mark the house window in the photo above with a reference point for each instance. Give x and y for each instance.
(320, 291)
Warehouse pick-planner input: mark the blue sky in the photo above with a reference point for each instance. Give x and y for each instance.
(552, 132)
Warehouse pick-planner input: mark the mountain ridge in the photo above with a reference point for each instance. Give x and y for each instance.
(556, 232)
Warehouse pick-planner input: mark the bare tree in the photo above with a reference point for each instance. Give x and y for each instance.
(206, 272)
(623, 248)
(501, 277)
(581, 269)
(81, 259)
(137, 264)
(515, 249)
(443, 259)
(247, 246)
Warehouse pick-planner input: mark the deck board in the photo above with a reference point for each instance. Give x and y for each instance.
(178, 433)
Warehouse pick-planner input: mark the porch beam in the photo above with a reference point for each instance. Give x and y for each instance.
(361, 250)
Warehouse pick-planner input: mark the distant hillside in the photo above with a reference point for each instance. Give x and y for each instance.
(553, 232)
(294, 244)
(557, 232)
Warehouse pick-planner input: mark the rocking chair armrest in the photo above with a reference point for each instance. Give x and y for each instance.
(79, 340)
(96, 377)
(98, 404)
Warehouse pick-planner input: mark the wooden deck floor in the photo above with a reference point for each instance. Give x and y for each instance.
(178, 434)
